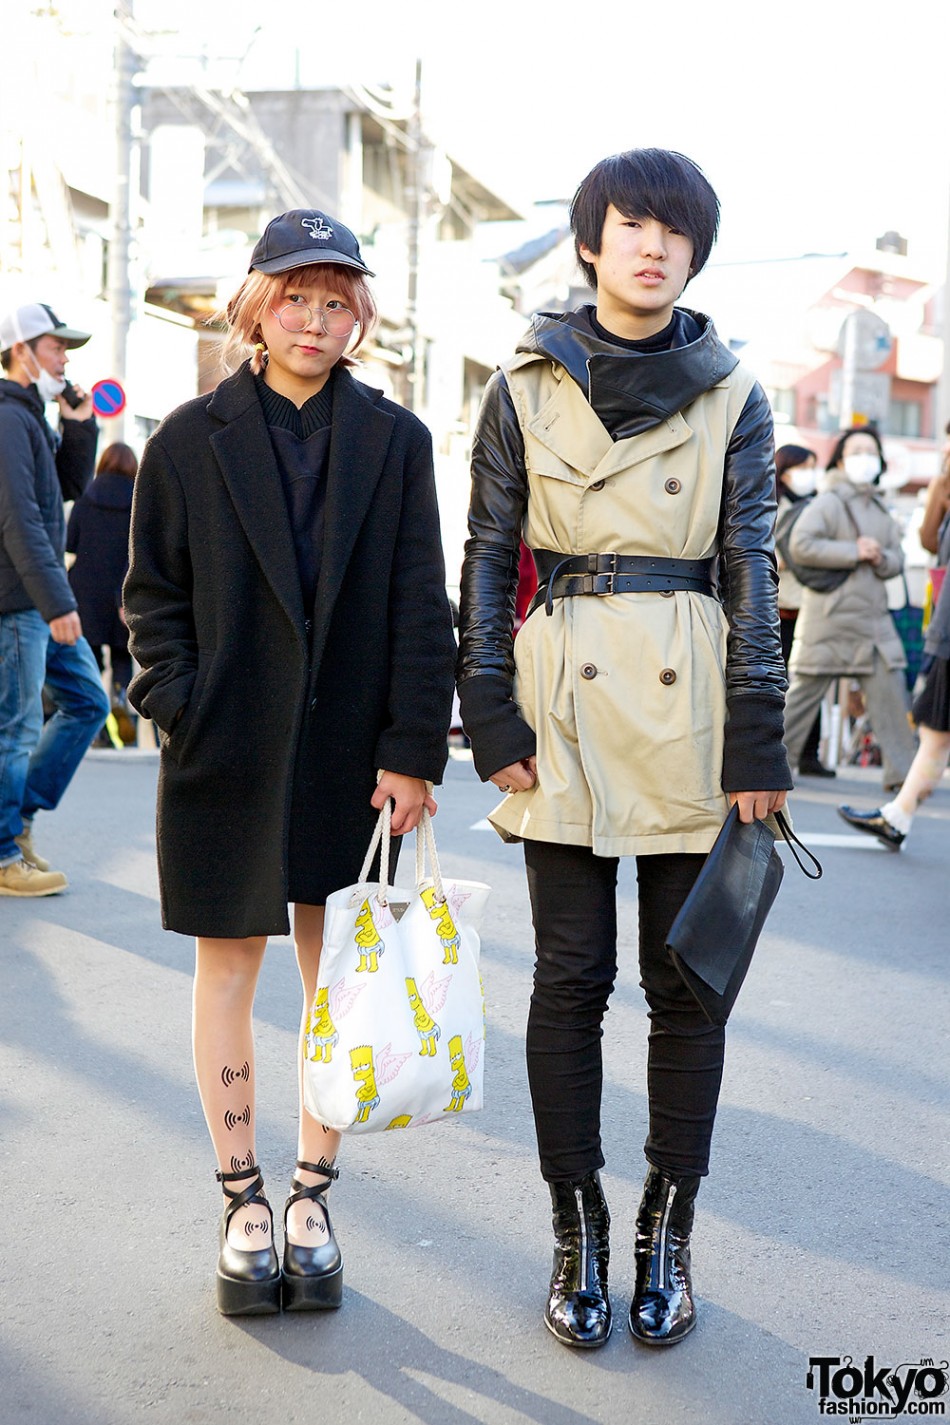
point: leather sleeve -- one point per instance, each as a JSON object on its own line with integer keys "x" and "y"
{"x": 489, "y": 585}
{"x": 754, "y": 757}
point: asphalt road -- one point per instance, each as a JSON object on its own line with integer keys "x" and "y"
{"x": 822, "y": 1230}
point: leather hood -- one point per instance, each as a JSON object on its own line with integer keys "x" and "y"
{"x": 638, "y": 390}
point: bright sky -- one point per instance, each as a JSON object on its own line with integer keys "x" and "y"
{"x": 821, "y": 123}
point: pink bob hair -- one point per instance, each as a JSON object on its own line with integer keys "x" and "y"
{"x": 244, "y": 310}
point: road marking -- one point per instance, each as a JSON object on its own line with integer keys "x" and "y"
{"x": 829, "y": 838}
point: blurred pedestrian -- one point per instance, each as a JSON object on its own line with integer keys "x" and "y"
{"x": 41, "y": 642}
{"x": 892, "y": 822}
{"x": 287, "y": 605}
{"x": 850, "y": 631}
{"x": 938, "y": 502}
{"x": 98, "y": 535}
{"x": 628, "y": 447}
{"x": 795, "y": 482}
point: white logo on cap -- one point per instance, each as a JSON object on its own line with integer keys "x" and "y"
{"x": 318, "y": 228}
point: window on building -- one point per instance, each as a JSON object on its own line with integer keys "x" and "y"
{"x": 782, "y": 401}
{"x": 904, "y": 418}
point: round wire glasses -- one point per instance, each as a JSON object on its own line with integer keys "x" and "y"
{"x": 336, "y": 321}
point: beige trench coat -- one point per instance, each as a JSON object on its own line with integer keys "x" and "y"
{"x": 626, "y": 694}
{"x": 838, "y": 632}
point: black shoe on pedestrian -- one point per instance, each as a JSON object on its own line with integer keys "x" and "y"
{"x": 248, "y": 1282}
{"x": 875, "y": 825}
{"x": 578, "y": 1309}
{"x": 811, "y": 767}
{"x": 662, "y": 1311}
{"x": 313, "y": 1276}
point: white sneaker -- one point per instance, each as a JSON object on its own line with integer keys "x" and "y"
{"x": 21, "y": 878}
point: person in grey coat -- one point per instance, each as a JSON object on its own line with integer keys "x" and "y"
{"x": 891, "y": 823}
{"x": 849, "y": 631}
{"x": 286, "y": 602}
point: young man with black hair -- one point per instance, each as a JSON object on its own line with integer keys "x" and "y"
{"x": 635, "y": 456}
{"x": 41, "y": 641}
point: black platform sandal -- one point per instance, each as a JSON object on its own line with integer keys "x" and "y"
{"x": 312, "y": 1276}
{"x": 248, "y": 1283}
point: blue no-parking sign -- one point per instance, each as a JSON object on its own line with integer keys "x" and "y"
{"x": 108, "y": 397}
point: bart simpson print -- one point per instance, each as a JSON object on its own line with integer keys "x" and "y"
{"x": 321, "y": 1033}
{"x": 461, "y": 1088}
{"x": 361, "y": 1061}
{"x": 368, "y": 941}
{"x": 445, "y": 925}
{"x": 426, "y": 1027}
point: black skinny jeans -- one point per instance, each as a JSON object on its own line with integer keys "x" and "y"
{"x": 574, "y": 908}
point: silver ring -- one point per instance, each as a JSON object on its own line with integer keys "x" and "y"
{"x": 505, "y": 788}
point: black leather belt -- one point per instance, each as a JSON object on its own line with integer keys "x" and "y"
{"x": 564, "y": 576}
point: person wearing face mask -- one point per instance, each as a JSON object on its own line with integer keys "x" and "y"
{"x": 796, "y": 481}
{"x": 849, "y": 632}
{"x": 41, "y": 643}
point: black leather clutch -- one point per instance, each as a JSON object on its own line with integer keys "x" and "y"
{"x": 713, "y": 938}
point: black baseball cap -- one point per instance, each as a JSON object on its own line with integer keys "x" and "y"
{"x": 302, "y": 236}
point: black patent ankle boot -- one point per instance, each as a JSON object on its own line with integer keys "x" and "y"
{"x": 662, "y": 1310}
{"x": 578, "y": 1309}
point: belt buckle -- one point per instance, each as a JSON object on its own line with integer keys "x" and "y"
{"x": 607, "y": 575}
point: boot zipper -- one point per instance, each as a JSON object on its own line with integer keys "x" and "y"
{"x": 582, "y": 1222}
{"x": 664, "y": 1228}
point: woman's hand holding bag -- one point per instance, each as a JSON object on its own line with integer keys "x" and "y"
{"x": 396, "y": 1032}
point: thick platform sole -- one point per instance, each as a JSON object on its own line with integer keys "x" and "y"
{"x": 248, "y": 1298}
{"x": 319, "y": 1293}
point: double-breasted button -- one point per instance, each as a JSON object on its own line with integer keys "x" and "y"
{"x": 667, "y": 677}
{"x": 589, "y": 670}
{"x": 673, "y": 486}
{"x": 598, "y": 484}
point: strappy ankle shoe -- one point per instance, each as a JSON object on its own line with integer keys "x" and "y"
{"x": 248, "y": 1282}
{"x": 313, "y": 1276}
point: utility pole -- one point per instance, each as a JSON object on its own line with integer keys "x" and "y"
{"x": 415, "y": 195}
{"x": 943, "y": 388}
{"x": 120, "y": 238}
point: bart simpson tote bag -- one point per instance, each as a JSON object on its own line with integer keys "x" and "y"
{"x": 396, "y": 1032}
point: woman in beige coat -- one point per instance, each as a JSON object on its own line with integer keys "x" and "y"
{"x": 849, "y": 631}
{"x": 634, "y": 456}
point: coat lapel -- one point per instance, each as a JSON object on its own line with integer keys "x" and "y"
{"x": 569, "y": 428}
{"x": 246, "y": 460}
{"x": 358, "y": 446}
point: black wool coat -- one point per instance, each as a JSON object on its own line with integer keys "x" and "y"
{"x": 276, "y": 718}
{"x": 98, "y": 535}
